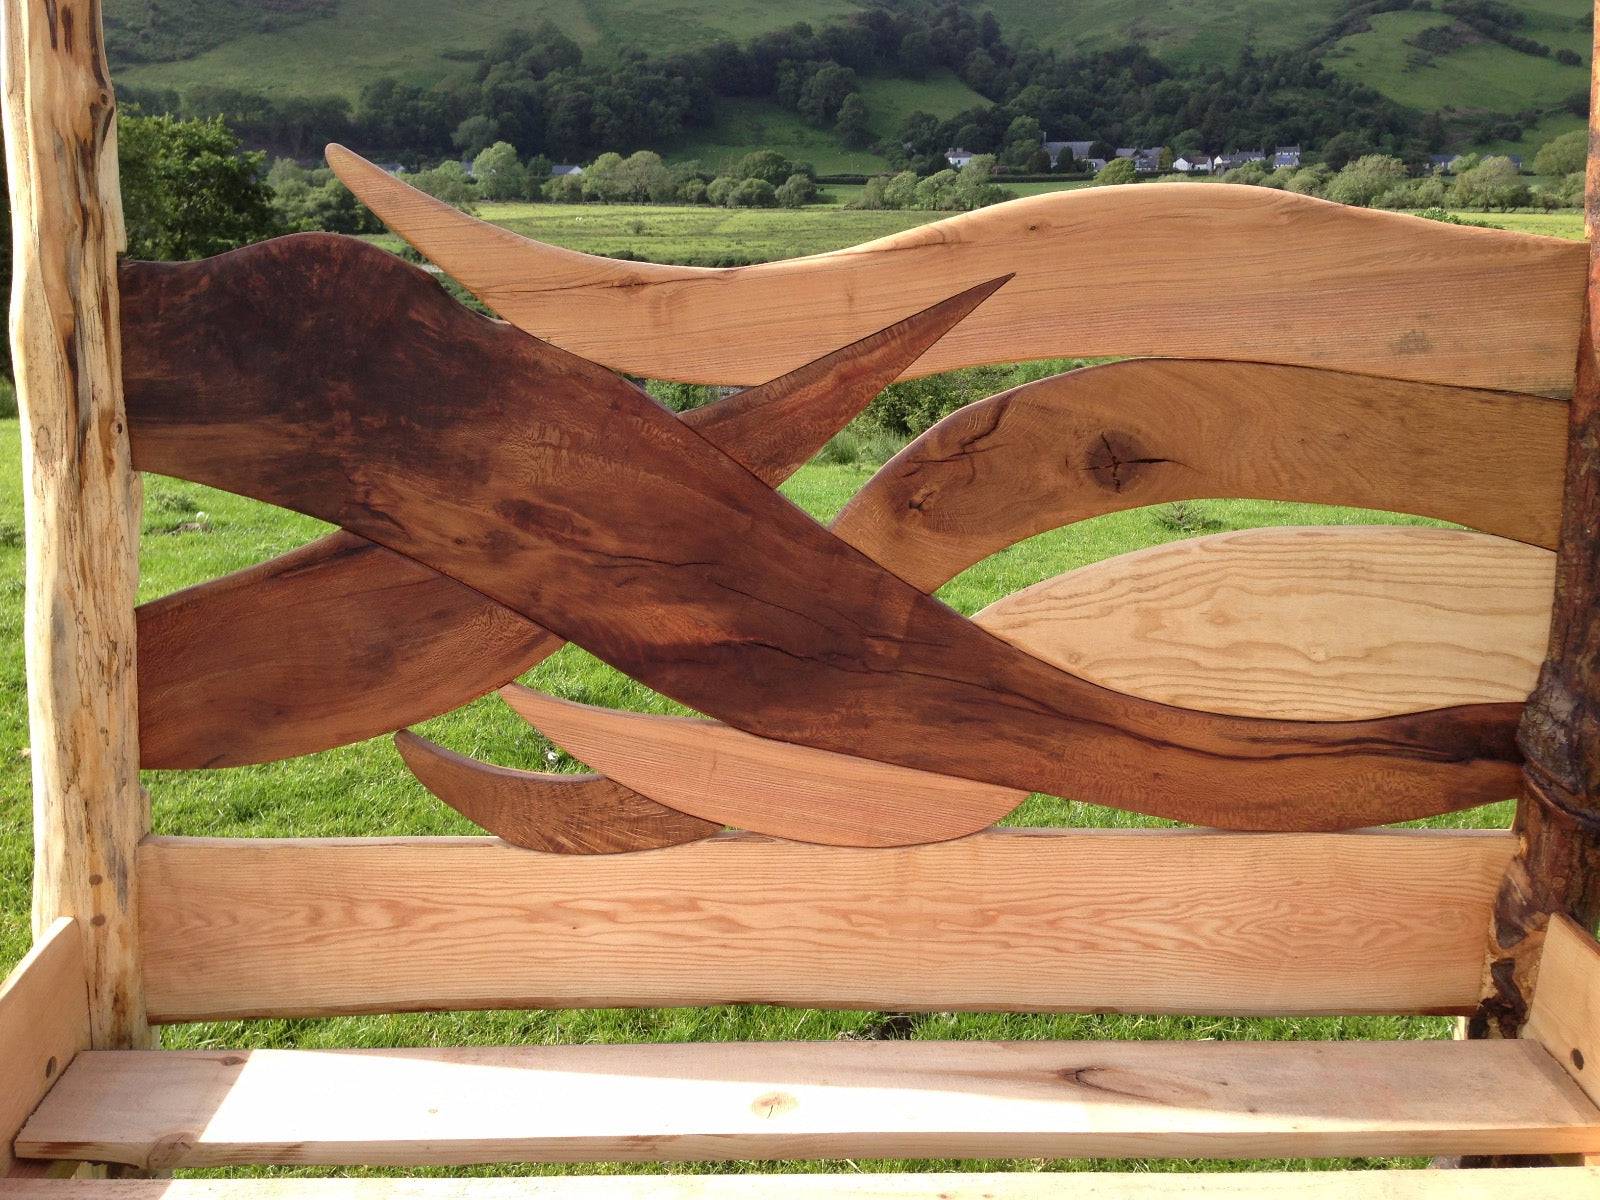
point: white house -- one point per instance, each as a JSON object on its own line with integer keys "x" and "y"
{"x": 1200, "y": 164}
{"x": 957, "y": 157}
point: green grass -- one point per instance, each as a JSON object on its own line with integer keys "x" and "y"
{"x": 890, "y": 101}
{"x": 1177, "y": 30}
{"x": 1550, "y": 224}
{"x": 413, "y": 39}
{"x": 1482, "y": 76}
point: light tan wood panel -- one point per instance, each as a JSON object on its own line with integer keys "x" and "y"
{"x": 647, "y": 1103}
{"x": 1135, "y": 920}
{"x": 1557, "y": 1183}
{"x": 717, "y": 773}
{"x": 44, "y": 1022}
{"x": 1564, "y": 1016}
{"x": 1128, "y": 434}
{"x": 1319, "y": 624}
{"x": 1307, "y": 282}
{"x": 81, "y": 501}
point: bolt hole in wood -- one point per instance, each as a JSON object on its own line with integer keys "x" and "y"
{"x": 1577, "y": 1058}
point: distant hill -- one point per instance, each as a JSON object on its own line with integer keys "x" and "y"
{"x": 1431, "y": 56}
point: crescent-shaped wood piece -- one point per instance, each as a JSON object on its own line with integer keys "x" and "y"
{"x": 522, "y": 808}
{"x": 344, "y": 640}
{"x": 1309, "y": 282}
{"x": 720, "y": 774}
{"x": 566, "y": 494}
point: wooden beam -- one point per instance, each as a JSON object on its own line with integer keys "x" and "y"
{"x": 1555, "y": 1184}
{"x": 1374, "y": 292}
{"x": 1178, "y": 921}
{"x": 1557, "y": 867}
{"x": 44, "y": 1022}
{"x": 651, "y": 1103}
{"x": 80, "y": 498}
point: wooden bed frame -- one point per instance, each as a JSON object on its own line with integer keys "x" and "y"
{"x": 827, "y": 840}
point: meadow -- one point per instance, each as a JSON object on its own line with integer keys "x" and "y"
{"x": 193, "y": 533}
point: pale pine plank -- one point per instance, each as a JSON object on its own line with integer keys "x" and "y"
{"x": 1564, "y": 1016}
{"x": 44, "y": 1022}
{"x": 718, "y": 1101}
{"x": 1317, "y": 624}
{"x": 1375, "y": 292}
{"x": 721, "y": 774}
{"x": 1179, "y": 921}
{"x": 1545, "y": 1184}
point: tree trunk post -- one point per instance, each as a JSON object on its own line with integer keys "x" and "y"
{"x": 1557, "y": 866}
{"x": 81, "y": 497}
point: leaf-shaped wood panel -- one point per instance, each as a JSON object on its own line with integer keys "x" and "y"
{"x": 1300, "y": 281}
{"x": 1317, "y": 624}
{"x": 566, "y": 494}
{"x": 1135, "y": 433}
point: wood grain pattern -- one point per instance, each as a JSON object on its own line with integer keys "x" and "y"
{"x": 1135, "y": 433}
{"x": 1564, "y": 1014}
{"x": 600, "y": 817}
{"x": 80, "y": 497}
{"x": 1174, "y": 921}
{"x": 44, "y": 1022}
{"x": 1551, "y": 1183}
{"x": 344, "y": 640}
{"x": 644, "y": 1103}
{"x": 1319, "y": 624}
{"x": 1375, "y": 292}
{"x": 723, "y": 775}
{"x": 496, "y": 459}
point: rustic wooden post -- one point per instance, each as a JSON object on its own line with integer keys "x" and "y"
{"x": 1557, "y": 867}
{"x": 80, "y": 493}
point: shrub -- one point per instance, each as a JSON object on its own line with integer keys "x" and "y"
{"x": 797, "y": 190}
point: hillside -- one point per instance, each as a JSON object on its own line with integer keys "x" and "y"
{"x": 1423, "y": 57}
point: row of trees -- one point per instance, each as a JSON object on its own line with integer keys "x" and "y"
{"x": 537, "y": 91}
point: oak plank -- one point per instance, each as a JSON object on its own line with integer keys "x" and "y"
{"x": 656, "y": 1102}
{"x": 1557, "y": 1183}
{"x": 1318, "y": 624}
{"x": 1564, "y": 1012}
{"x": 44, "y": 1022}
{"x": 537, "y": 812}
{"x": 720, "y": 774}
{"x": 565, "y": 493}
{"x": 1375, "y": 292}
{"x": 342, "y": 639}
{"x": 1129, "y": 434}
{"x": 1173, "y": 921}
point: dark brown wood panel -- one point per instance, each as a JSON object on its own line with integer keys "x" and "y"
{"x": 598, "y": 817}
{"x": 343, "y": 640}
{"x": 565, "y": 493}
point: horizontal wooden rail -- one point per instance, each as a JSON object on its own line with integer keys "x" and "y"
{"x": 1307, "y": 282}
{"x": 648, "y": 1103}
{"x": 1178, "y": 921}
{"x": 1552, "y": 1183}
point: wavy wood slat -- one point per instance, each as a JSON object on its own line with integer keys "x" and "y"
{"x": 723, "y": 775}
{"x": 1309, "y": 282}
{"x": 601, "y": 817}
{"x": 161, "y": 1110}
{"x": 1129, "y": 434}
{"x": 1548, "y": 1183}
{"x": 565, "y": 493}
{"x": 1318, "y": 624}
{"x": 343, "y": 640}
{"x": 1068, "y": 920}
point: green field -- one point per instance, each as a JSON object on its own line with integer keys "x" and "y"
{"x": 741, "y": 125}
{"x": 1483, "y": 76}
{"x": 1177, "y": 30}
